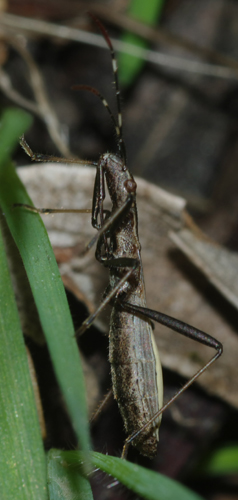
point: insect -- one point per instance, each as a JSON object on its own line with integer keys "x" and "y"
{"x": 135, "y": 365}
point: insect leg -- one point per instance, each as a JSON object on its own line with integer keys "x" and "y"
{"x": 133, "y": 264}
{"x": 101, "y": 405}
{"x": 53, "y": 210}
{"x": 184, "y": 329}
{"x": 109, "y": 223}
{"x": 41, "y": 157}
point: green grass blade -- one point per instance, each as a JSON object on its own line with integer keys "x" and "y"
{"x": 66, "y": 483}
{"x": 39, "y": 261}
{"x": 22, "y": 458}
{"x": 222, "y": 461}
{"x": 13, "y": 123}
{"x": 147, "y": 484}
{"x": 148, "y": 12}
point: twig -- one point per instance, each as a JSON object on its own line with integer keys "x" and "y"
{"x": 42, "y": 106}
{"x": 60, "y": 31}
{"x": 159, "y": 35}
{"x": 13, "y": 95}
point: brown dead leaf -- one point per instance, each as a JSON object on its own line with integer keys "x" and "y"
{"x": 173, "y": 285}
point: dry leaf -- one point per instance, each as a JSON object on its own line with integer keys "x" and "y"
{"x": 173, "y": 285}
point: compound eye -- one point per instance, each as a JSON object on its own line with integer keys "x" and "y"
{"x": 130, "y": 186}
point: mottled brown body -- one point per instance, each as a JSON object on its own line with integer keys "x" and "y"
{"x": 134, "y": 363}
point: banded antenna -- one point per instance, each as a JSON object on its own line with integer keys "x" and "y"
{"x": 117, "y": 124}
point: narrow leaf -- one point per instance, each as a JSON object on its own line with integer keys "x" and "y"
{"x": 66, "y": 483}
{"x": 147, "y": 484}
{"x": 22, "y": 459}
{"x": 32, "y": 240}
{"x": 147, "y": 12}
{"x": 223, "y": 461}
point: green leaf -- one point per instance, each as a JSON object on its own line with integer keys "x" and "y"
{"x": 222, "y": 461}
{"x": 147, "y": 484}
{"x": 22, "y": 459}
{"x": 39, "y": 261}
{"x": 13, "y": 123}
{"x": 148, "y": 12}
{"x": 66, "y": 483}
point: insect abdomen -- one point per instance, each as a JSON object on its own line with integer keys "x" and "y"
{"x": 134, "y": 377}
